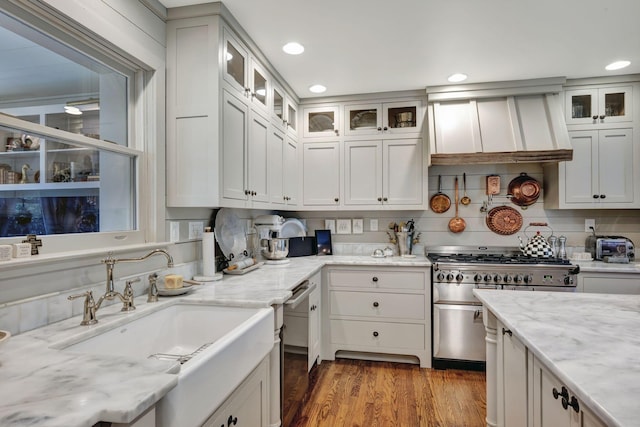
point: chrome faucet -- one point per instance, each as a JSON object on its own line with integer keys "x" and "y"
{"x": 127, "y": 298}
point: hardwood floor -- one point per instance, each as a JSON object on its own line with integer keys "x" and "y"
{"x": 357, "y": 393}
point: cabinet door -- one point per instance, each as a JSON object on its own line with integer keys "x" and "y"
{"x": 402, "y": 172}
{"x": 547, "y": 405}
{"x": 277, "y": 107}
{"x": 614, "y": 104}
{"x": 605, "y": 284}
{"x": 402, "y": 117}
{"x": 581, "y": 174}
{"x": 581, "y": 106}
{"x": 321, "y": 122}
{"x": 236, "y": 58}
{"x": 363, "y": 172}
{"x": 259, "y": 86}
{"x": 321, "y": 173}
{"x": 235, "y": 118}
{"x": 291, "y": 172}
{"x": 258, "y": 178}
{"x": 615, "y": 166}
{"x": 276, "y": 156}
{"x": 291, "y": 111}
{"x": 513, "y": 378}
{"x": 363, "y": 119}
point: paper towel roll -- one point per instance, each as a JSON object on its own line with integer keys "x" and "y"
{"x": 208, "y": 254}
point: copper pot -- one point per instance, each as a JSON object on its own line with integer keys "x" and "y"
{"x": 524, "y": 190}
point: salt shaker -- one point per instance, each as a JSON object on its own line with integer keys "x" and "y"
{"x": 562, "y": 247}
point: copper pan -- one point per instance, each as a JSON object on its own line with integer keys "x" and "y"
{"x": 524, "y": 190}
{"x": 440, "y": 202}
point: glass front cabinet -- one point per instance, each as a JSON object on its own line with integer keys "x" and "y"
{"x": 385, "y": 118}
{"x": 321, "y": 121}
{"x": 598, "y": 105}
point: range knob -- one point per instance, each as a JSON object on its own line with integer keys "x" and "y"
{"x": 528, "y": 278}
{"x": 449, "y": 277}
{"x": 459, "y": 277}
{"x": 507, "y": 278}
{"x": 518, "y": 278}
{"x": 440, "y": 277}
{"x": 487, "y": 277}
{"x": 497, "y": 278}
{"x": 477, "y": 278}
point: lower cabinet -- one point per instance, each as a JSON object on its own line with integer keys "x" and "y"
{"x": 609, "y": 283}
{"x": 381, "y": 312}
{"x": 248, "y": 405}
{"x": 528, "y": 394}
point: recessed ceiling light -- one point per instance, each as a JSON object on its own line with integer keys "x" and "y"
{"x": 457, "y": 77}
{"x": 317, "y": 89}
{"x": 293, "y": 48}
{"x": 617, "y": 65}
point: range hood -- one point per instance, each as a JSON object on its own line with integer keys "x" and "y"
{"x": 504, "y": 122}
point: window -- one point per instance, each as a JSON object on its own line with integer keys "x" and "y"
{"x": 66, "y": 127}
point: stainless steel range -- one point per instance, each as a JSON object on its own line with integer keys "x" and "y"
{"x": 458, "y": 331}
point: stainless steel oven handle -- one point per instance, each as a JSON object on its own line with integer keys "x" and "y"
{"x": 477, "y": 315}
{"x": 300, "y": 293}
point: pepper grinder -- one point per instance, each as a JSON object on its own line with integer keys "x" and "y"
{"x": 562, "y": 247}
{"x": 553, "y": 242}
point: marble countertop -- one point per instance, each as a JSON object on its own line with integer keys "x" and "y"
{"x": 589, "y": 341}
{"x": 43, "y": 386}
{"x": 605, "y": 267}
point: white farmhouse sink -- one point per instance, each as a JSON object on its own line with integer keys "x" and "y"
{"x": 220, "y": 345}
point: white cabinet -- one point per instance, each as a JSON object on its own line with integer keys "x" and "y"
{"x": 248, "y": 405}
{"x": 554, "y": 405}
{"x": 609, "y": 283}
{"x": 598, "y": 105}
{"x": 291, "y": 172}
{"x": 602, "y": 174}
{"x": 386, "y": 310}
{"x": 387, "y": 173}
{"x": 321, "y": 122}
{"x": 221, "y": 103}
{"x": 512, "y": 379}
{"x": 400, "y": 117}
{"x": 321, "y": 173}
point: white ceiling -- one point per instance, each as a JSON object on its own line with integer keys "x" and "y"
{"x": 364, "y": 46}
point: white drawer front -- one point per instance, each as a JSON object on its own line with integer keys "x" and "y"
{"x": 393, "y": 336}
{"x": 382, "y": 305}
{"x": 296, "y": 331}
{"x": 391, "y": 279}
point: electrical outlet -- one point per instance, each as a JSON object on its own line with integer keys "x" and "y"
{"x": 195, "y": 230}
{"x": 588, "y": 224}
{"x": 174, "y": 231}
{"x": 373, "y": 224}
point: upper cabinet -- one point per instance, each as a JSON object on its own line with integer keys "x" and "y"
{"x": 593, "y": 105}
{"x": 383, "y": 118}
{"x": 321, "y": 122}
{"x": 224, "y": 109}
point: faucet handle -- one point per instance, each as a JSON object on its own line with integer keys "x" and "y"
{"x": 89, "y": 312}
{"x": 152, "y": 296}
{"x": 127, "y": 301}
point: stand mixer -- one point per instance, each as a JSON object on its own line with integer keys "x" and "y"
{"x": 272, "y": 246}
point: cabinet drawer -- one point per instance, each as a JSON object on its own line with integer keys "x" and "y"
{"x": 296, "y": 331}
{"x": 378, "y": 334}
{"x": 390, "y": 279}
{"x": 373, "y": 304}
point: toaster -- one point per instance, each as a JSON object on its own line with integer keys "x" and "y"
{"x": 609, "y": 246}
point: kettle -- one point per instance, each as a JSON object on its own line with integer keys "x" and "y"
{"x": 536, "y": 246}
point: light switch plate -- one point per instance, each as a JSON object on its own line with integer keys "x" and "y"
{"x": 330, "y": 224}
{"x": 343, "y": 226}
{"x": 195, "y": 230}
{"x": 373, "y": 224}
{"x": 174, "y": 231}
{"x": 358, "y": 225}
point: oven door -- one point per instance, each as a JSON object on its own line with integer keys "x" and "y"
{"x": 458, "y": 332}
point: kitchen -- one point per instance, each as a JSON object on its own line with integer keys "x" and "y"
{"x": 20, "y": 284}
